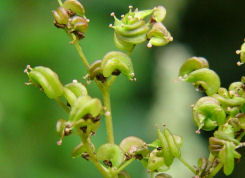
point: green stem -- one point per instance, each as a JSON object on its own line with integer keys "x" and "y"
{"x": 60, "y": 2}
{"x": 112, "y": 79}
{"x": 187, "y": 165}
{"x": 152, "y": 175}
{"x": 62, "y": 105}
{"x": 215, "y": 170}
{"x": 108, "y": 118}
{"x": 124, "y": 165}
{"x": 81, "y": 54}
{"x": 92, "y": 157}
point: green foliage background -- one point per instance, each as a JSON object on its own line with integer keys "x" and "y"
{"x": 213, "y": 29}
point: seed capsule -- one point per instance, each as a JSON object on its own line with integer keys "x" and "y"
{"x": 85, "y": 105}
{"x": 95, "y": 71}
{"x": 47, "y": 80}
{"x": 207, "y": 79}
{"x": 159, "y": 13}
{"x": 117, "y": 61}
{"x": 61, "y": 16}
{"x": 111, "y": 154}
{"x": 75, "y": 7}
{"x": 74, "y": 90}
{"x": 159, "y": 35}
{"x": 208, "y": 114}
{"x": 192, "y": 64}
{"x": 156, "y": 162}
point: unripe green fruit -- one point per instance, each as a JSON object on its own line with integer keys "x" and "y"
{"x": 192, "y": 64}
{"x": 111, "y": 154}
{"x": 61, "y": 16}
{"x": 47, "y": 80}
{"x": 75, "y": 6}
{"x": 159, "y": 13}
{"x": 156, "y": 163}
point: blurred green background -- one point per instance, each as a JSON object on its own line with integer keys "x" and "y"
{"x": 213, "y": 29}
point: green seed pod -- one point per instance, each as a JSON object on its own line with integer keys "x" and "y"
{"x": 174, "y": 147}
{"x": 134, "y": 146}
{"x": 163, "y": 175}
{"x": 61, "y": 16}
{"x": 95, "y": 71}
{"x": 235, "y": 101}
{"x": 242, "y": 54}
{"x": 223, "y": 92}
{"x": 63, "y": 128}
{"x": 158, "y": 35}
{"x": 236, "y": 89}
{"x": 192, "y": 64}
{"x": 241, "y": 118}
{"x": 208, "y": 114}
{"x": 205, "y": 79}
{"x": 167, "y": 155}
{"x": 226, "y": 132}
{"x": 111, "y": 154}
{"x": 156, "y": 163}
{"x": 227, "y": 158}
{"x": 131, "y": 29}
{"x": 85, "y": 105}
{"x": 47, "y": 80}
{"x": 159, "y": 13}
{"x": 155, "y": 144}
{"x": 75, "y": 7}
{"x": 78, "y": 25}
{"x": 123, "y": 174}
{"x": 117, "y": 62}
{"x": 74, "y": 90}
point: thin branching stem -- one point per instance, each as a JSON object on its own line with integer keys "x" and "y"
{"x": 58, "y": 100}
{"x": 187, "y": 165}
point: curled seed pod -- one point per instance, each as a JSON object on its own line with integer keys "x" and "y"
{"x": 192, "y": 64}
{"x": 85, "y": 105}
{"x": 223, "y": 92}
{"x": 156, "y": 162}
{"x": 111, "y": 154}
{"x": 208, "y": 114}
{"x": 80, "y": 150}
{"x": 131, "y": 29}
{"x": 235, "y": 101}
{"x": 205, "y": 79}
{"x": 241, "y": 118}
{"x": 226, "y": 132}
{"x": 74, "y": 90}
{"x": 227, "y": 158}
{"x": 95, "y": 71}
{"x": 123, "y": 174}
{"x": 232, "y": 111}
{"x": 159, "y": 13}
{"x": 75, "y": 7}
{"x": 242, "y": 54}
{"x": 158, "y": 35}
{"x": 47, "y": 80}
{"x": 61, "y": 17}
{"x": 134, "y": 146}
{"x": 236, "y": 89}
{"x": 117, "y": 62}
{"x": 63, "y": 128}
{"x": 78, "y": 25}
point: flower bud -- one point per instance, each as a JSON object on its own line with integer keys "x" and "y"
{"x": 47, "y": 80}
{"x": 158, "y": 35}
{"x": 61, "y": 17}
{"x": 75, "y": 7}
{"x": 117, "y": 62}
{"x": 192, "y": 64}
{"x": 111, "y": 154}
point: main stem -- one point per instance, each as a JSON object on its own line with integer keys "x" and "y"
{"x": 108, "y": 118}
